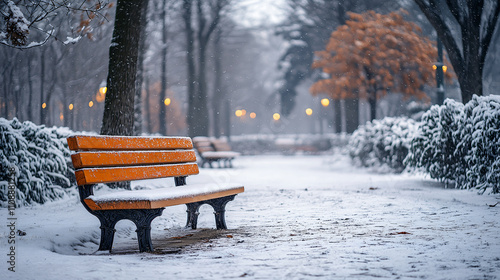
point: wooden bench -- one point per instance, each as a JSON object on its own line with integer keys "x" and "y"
{"x": 107, "y": 159}
{"x": 214, "y": 151}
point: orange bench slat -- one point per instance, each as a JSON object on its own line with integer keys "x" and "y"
{"x": 124, "y": 158}
{"x": 116, "y": 143}
{"x": 118, "y": 174}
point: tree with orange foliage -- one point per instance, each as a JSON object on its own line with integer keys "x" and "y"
{"x": 373, "y": 54}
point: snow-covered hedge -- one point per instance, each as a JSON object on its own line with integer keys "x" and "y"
{"x": 461, "y": 144}
{"x": 480, "y": 143}
{"x": 435, "y": 145}
{"x": 41, "y": 159}
{"x": 382, "y": 144}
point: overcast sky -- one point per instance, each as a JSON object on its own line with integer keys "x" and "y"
{"x": 252, "y": 13}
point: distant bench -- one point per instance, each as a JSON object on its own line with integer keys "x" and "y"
{"x": 214, "y": 151}
{"x": 108, "y": 159}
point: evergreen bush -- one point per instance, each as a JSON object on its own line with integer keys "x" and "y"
{"x": 41, "y": 159}
{"x": 481, "y": 143}
{"x": 435, "y": 144}
{"x": 460, "y": 144}
{"x": 382, "y": 144}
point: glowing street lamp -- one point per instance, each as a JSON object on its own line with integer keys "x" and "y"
{"x": 325, "y": 102}
{"x": 309, "y": 111}
{"x": 238, "y": 113}
{"x": 276, "y": 116}
{"x": 167, "y": 101}
{"x": 253, "y": 115}
{"x": 101, "y": 94}
{"x": 91, "y": 103}
{"x": 44, "y": 105}
{"x": 70, "y": 106}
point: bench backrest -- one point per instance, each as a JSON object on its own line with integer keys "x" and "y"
{"x": 221, "y": 145}
{"x": 106, "y": 159}
{"x": 203, "y": 144}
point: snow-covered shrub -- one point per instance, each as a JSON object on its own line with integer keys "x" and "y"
{"x": 382, "y": 143}
{"x": 460, "y": 144}
{"x": 434, "y": 147}
{"x": 40, "y": 156}
{"x": 480, "y": 143}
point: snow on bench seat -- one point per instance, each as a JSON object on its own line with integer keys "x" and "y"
{"x": 159, "y": 198}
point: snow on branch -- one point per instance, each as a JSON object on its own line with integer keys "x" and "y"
{"x": 18, "y": 21}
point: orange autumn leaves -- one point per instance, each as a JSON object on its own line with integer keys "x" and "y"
{"x": 373, "y": 54}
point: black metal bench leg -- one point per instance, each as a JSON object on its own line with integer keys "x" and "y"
{"x": 142, "y": 219}
{"x": 219, "y": 205}
{"x": 107, "y": 232}
{"x": 192, "y": 214}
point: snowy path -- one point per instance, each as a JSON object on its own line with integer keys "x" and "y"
{"x": 302, "y": 217}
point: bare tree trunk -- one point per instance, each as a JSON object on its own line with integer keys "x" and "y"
{"x": 336, "y": 102}
{"x": 118, "y": 118}
{"x": 201, "y": 109}
{"x": 352, "y": 114}
{"x": 351, "y": 105}
{"x": 5, "y": 100}
{"x": 337, "y": 112}
{"x": 148, "y": 108}
{"x": 17, "y": 99}
{"x": 218, "y": 92}
{"x": 202, "y": 116}
{"x": 30, "y": 88}
{"x": 162, "y": 121}
{"x": 372, "y": 100}
{"x": 191, "y": 86}
{"x": 140, "y": 72}
{"x": 65, "y": 110}
{"x": 43, "y": 111}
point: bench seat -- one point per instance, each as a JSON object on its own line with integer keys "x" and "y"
{"x": 159, "y": 198}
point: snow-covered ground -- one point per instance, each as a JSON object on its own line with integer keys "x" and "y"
{"x": 301, "y": 217}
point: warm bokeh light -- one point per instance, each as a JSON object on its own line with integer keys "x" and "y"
{"x": 276, "y": 116}
{"x": 434, "y": 67}
{"x": 44, "y": 105}
{"x": 309, "y": 111}
{"x": 91, "y": 103}
{"x": 167, "y": 101}
{"x": 70, "y": 107}
{"x": 101, "y": 94}
{"x": 243, "y": 112}
{"x": 253, "y": 115}
{"x": 325, "y": 102}
{"x": 238, "y": 113}
{"x": 445, "y": 68}
{"x": 61, "y": 117}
